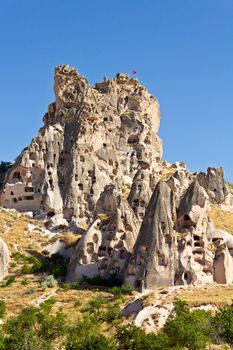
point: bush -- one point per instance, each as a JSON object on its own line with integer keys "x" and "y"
{"x": 112, "y": 313}
{"x": 97, "y": 305}
{"x": 9, "y": 280}
{"x": 21, "y": 332}
{"x": 2, "y": 308}
{"x": 111, "y": 281}
{"x": 223, "y": 325}
{"x": 66, "y": 286}
{"x": 52, "y": 326}
{"x": 25, "y": 282}
{"x": 31, "y": 291}
{"x": 47, "y": 305}
{"x": 85, "y": 335}
{"x": 34, "y": 329}
{"x": 189, "y": 329}
{"x": 4, "y": 166}
{"x": 95, "y": 342}
{"x": 77, "y": 303}
{"x": 75, "y": 284}
{"x": 49, "y": 282}
{"x": 119, "y": 291}
{"x": 131, "y": 337}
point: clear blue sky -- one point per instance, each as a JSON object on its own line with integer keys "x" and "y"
{"x": 181, "y": 49}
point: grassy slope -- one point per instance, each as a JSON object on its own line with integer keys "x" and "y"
{"x": 222, "y": 219}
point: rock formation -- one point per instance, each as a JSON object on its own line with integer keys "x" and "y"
{"x": 96, "y": 168}
{"x": 92, "y": 137}
{"x": 154, "y": 258}
{"x": 4, "y": 259}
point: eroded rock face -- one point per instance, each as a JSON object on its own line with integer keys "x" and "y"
{"x": 96, "y": 168}
{"x": 92, "y": 137}
{"x": 153, "y": 260}
{"x": 195, "y": 256}
{"x": 214, "y": 184}
{"x": 4, "y": 259}
{"x": 107, "y": 244}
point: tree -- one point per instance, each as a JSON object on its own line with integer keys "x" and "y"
{"x": 190, "y": 329}
{"x": 223, "y": 325}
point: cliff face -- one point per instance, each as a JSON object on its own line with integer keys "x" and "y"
{"x": 96, "y": 167}
{"x": 92, "y": 137}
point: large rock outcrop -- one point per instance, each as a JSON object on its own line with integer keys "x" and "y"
{"x": 96, "y": 168}
{"x": 92, "y": 137}
{"x": 154, "y": 258}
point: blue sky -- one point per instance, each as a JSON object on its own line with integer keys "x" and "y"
{"x": 182, "y": 51}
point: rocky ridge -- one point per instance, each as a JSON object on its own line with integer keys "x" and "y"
{"x": 96, "y": 168}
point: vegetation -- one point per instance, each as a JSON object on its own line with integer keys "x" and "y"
{"x": 98, "y": 280}
{"x": 87, "y": 314}
{"x": 40, "y": 328}
{"x": 119, "y": 291}
{"x": 4, "y": 166}
{"x": 2, "y": 308}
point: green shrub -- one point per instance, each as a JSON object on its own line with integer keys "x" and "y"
{"x": 189, "y": 329}
{"x": 111, "y": 281}
{"x": 47, "y": 305}
{"x": 25, "y": 282}
{"x": 21, "y": 332}
{"x": 131, "y": 337}
{"x": 77, "y": 303}
{"x": 112, "y": 313}
{"x": 85, "y": 335}
{"x": 119, "y": 291}
{"x": 9, "y": 280}
{"x": 75, "y": 284}
{"x": 31, "y": 291}
{"x": 34, "y": 328}
{"x": 25, "y": 269}
{"x": 97, "y": 305}
{"x": 2, "y": 308}
{"x": 223, "y": 325}
{"x": 4, "y": 166}
{"x": 66, "y": 286}
{"x": 52, "y": 326}
{"x": 93, "y": 342}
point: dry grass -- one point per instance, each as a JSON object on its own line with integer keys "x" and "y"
{"x": 149, "y": 299}
{"x": 126, "y": 192}
{"x": 65, "y": 299}
{"x": 103, "y": 216}
{"x": 69, "y": 238}
{"x": 17, "y": 296}
{"x": 222, "y": 219}
{"x": 14, "y": 231}
{"x": 166, "y": 173}
{"x": 218, "y": 295}
{"x": 83, "y": 227}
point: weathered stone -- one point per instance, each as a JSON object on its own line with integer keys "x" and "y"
{"x": 214, "y": 184}
{"x": 95, "y": 168}
{"x": 92, "y": 137}
{"x": 152, "y": 263}
{"x": 4, "y": 259}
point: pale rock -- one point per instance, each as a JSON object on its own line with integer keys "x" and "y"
{"x": 4, "y": 259}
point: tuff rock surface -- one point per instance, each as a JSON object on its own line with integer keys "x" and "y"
{"x": 4, "y": 259}
{"x": 96, "y": 168}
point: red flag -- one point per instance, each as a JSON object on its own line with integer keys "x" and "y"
{"x": 134, "y": 72}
